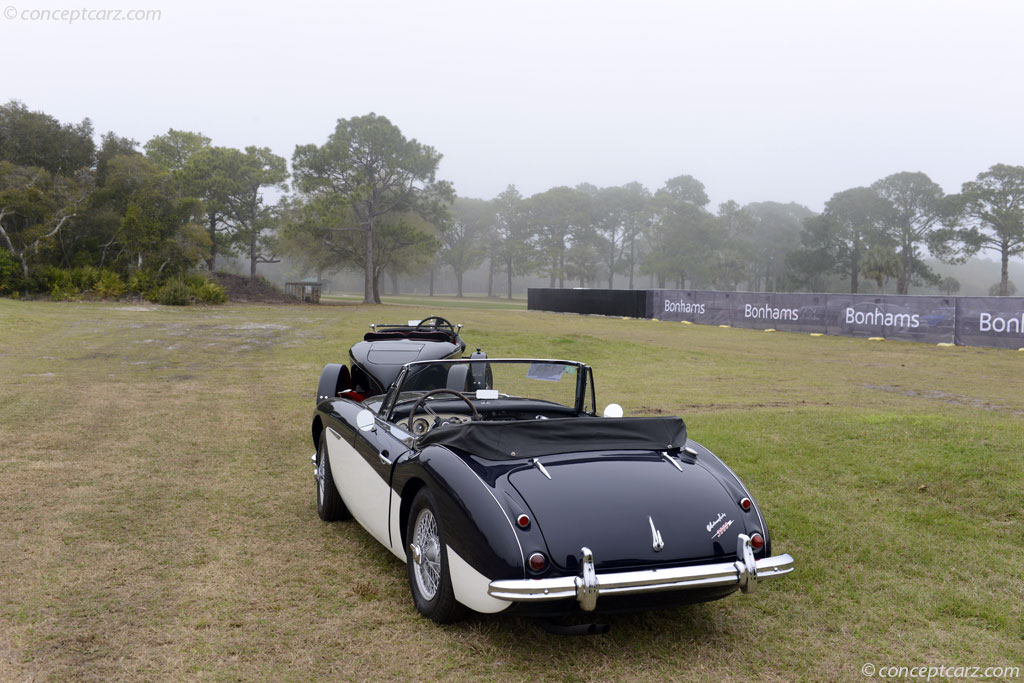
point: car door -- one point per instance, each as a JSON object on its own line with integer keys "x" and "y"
{"x": 362, "y": 473}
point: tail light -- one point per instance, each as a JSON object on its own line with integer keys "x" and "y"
{"x": 756, "y": 541}
{"x": 746, "y": 503}
{"x": 538, "y": 562}
{"x": 523, "y": 521}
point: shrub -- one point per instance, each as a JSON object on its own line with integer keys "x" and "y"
{"x": 84, "y": 277}
{"x": 12, "y": 280}
{"x": 142, "y": 282}
{"x": 211, "y": 293}
{"x": 109, "y": 285}
{"x": 195, "y": 281}
{"x": 173, "y": 293}
{"x": 65, "y": 293}
{"x": 57, "y": 278}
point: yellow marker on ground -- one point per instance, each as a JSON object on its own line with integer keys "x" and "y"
{"x": 945, "y": 344}
{"x": 686, "y": 322}
{"x": 817, "y": 334}
{"x": 876, "y": 338}
{"x": 769, "y": 330}
{"x": 725, "y": 325}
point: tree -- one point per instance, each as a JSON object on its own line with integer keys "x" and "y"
{"x": 992, "y": 211}
{"x": 175, "y": 148}
{"x": 808, "y": 264}
{"x": 112, "y": 145}
{"x": 35, "y": 205}
{"x": 512, "y": 225}
{"x": 378, "y": 171}
{"x": 859, "y": 215}
{"x": 880, "y": 264}
{"x": 159, "y": 230}
{"x": 555, "y": 215}
{"x": 949, "y": 285}
{"x": 915, "y": 209}
{"x": 37, "y": 140}
{"x": 209, "y": 174}
{"x": 730, "y": 259}
{"x": 246, "y": 175}
{"x": 318, "y": 232}
{"x": 775, "y": 231}
{"x": 621, "y": 216}
{"x": 681, "y": 236}
{"x": 462, "y": 239}
{"x": 1002, "y": 289}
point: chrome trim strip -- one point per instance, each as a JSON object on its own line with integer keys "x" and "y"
{"x": 672, "y": 460}
{"x": 543, "y": 470}
{"x": 336, "y": 434}
{"x": 644, "y": 581}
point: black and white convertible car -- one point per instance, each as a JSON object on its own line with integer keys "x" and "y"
{"x": 502, "y": 489}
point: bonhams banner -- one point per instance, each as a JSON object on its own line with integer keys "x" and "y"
{"x": 981, "y": 321}
{"x": 910, "y": 318}
{"x": 970, "y": 321}
{"x": 990, "y": 321}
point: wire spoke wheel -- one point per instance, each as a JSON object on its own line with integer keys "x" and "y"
{"x": 319, "y": 475}
{"x": 428, "y": 569}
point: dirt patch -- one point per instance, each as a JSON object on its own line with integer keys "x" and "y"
{"x": 945, "y": 397}
{"x": 259, "y": 290}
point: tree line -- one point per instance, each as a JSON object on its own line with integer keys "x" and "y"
{"x": 369, "y": 198}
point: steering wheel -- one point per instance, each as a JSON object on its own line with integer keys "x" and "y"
{"x": 416, "y": 406}
{"x": 438, "y": 323}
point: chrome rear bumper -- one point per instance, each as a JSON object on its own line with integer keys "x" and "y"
{"x": 744, "y": 573}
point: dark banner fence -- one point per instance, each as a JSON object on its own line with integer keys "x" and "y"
{"x": 969, "y": 321}
{"x": 627, "y": 302}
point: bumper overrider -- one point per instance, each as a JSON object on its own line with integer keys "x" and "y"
{"x": 745, "y": 573}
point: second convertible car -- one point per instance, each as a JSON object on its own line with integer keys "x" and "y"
{"x": 501, "y": 488}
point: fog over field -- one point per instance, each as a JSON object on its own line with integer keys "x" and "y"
{"x": 784, "y": 101}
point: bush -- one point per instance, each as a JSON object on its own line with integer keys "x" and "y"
{"x": 143, "y": 283}
{"x": 84, "y": 277}
{"x": 211, "y": 293}
{"x": 195, "y": 281}
{"x": 57, "y": 278}
{"x": 109, "y": 285}
{"x": 64, "y": 293}
{"x": 11, "y": 278}
{"x": 173, "y": 293}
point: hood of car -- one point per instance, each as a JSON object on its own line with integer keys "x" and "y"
{"x": 631, "y": 509}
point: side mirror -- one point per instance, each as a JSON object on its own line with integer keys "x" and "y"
{"x": 612, "y": 410}
{"x": 365, "y": 421}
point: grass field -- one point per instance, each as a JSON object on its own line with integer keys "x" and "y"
{"x": 158, "y": 522}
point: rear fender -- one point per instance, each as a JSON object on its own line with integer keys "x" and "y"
{"x": 476, "y": 524}
{"x": 754, "y": 519}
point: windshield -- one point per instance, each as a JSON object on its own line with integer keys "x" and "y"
{"x": 559, "y": 382}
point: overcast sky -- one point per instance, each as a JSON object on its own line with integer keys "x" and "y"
{"x": 784, "y": 101}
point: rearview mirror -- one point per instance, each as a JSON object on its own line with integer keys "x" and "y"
{"x": 612, "y": 410}
{"x": 365, "y": 421}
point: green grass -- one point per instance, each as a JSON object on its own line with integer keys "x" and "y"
{"x": 158, "y": 522}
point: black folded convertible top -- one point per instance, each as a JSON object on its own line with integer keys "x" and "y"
{"x": 532, "y": 438}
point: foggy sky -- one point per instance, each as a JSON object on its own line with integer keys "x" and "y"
{"x": 783, "y": 101}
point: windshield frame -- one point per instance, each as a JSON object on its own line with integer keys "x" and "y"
{"x": 584, "y": 377}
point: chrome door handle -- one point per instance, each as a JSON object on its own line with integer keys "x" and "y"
{"x": 383, "y": 455}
